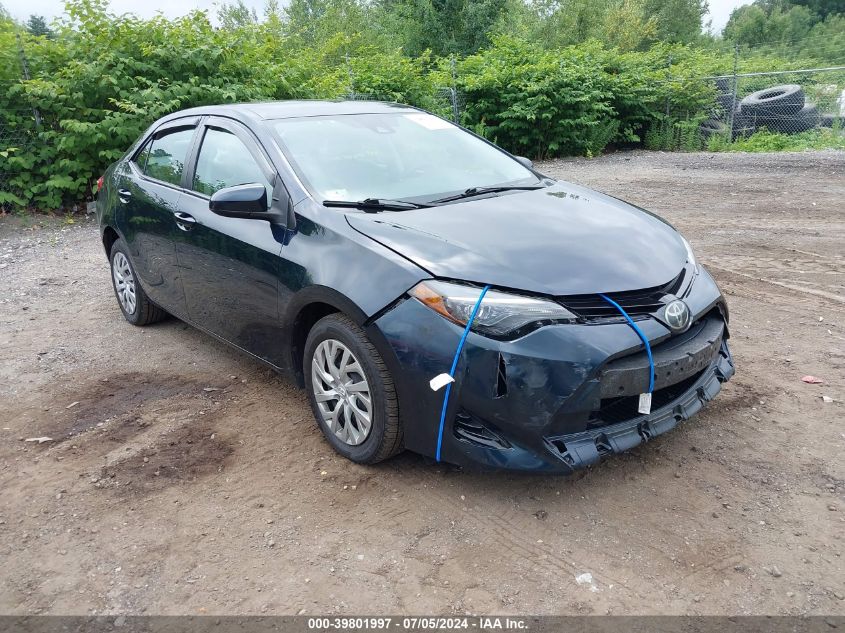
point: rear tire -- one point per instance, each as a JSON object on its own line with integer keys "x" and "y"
{"x": 343, "y": 370}
{"x": 131, "y": 298}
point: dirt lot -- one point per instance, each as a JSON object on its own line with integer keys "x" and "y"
{"x": 185, "y": 478}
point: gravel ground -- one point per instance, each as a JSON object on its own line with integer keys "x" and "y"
{"x": 185, "y": 478}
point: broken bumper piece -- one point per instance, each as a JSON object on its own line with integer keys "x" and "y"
{"x": 578, "y": 450}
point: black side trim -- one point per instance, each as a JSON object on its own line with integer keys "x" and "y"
{"x": 501, "y": 378}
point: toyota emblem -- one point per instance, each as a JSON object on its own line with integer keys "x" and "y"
{"x": 677, "y": 315}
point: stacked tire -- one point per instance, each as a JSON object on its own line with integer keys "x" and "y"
{"x": 725, "y": 103}
{"x": 712, "y": 127}
{"x": 780, "y": 109}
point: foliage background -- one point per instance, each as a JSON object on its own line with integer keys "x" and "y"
{"x": 540, "y": 77}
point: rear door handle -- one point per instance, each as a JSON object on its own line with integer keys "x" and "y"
{"x": 124, "y": 195}
{"x": 184, "y": 220}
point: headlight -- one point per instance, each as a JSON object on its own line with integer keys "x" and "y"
{"x": 690, "y": 255}
{"x": 500, "y": 312}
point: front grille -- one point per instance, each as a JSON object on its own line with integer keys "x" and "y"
{"x": 614, "y": 410}
{"x": 637, "y": 303}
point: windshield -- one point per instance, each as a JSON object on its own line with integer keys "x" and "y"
{"x": 393, "y": 156}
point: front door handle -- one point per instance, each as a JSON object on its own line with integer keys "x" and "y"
{"x": 124, "y": 195}
{"x": 184, "y": 220}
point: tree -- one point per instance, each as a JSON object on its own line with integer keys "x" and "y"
{"x": 625, "y": 24}
{"x": 627, "y": 27}
{"x": 827, "y": 39}
{"x": 313, "y": 22}
{"x": 9, "y": 57}
{"x": 822, "y": 8}
{"x": 235, "y": 15}
{"x": 556, "y": 23}
{"x": 444, "y": 27}
{"x": 792, "y": 25}
{"x": 766, "y": 23}
{"x": 37, "y": 25}
{"x": 747, "y": 25}
{"x": 303, "y": 17}
{"x": 677, "y": 20}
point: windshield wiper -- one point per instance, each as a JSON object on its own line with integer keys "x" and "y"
{"x": 374, "y": 205}
{"x": 478, "y": 191}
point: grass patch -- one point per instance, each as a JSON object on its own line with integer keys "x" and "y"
{"x": 675, "y": 135}
{"x": 765, "y": 141}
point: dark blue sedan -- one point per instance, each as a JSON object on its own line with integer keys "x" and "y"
{"x": 429, "y": 290}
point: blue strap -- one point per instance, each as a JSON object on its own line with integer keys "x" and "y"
{"x": 455, "y": 366}
{"x": 642, "y": 338}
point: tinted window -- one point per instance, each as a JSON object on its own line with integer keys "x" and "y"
{"x": 165, "y": 158}
{"x": 396, "y": 155}
{"x": 141, "y": 158}
{"x": 224, "y": 161}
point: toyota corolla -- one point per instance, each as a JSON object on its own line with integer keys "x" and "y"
{"x": 429, "y": 290}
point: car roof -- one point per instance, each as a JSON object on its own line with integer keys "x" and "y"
{"x": 291, "y": 109}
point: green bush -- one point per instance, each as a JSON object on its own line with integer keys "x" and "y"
{"x": 101, "y": 83}
{"x": 578, "y": 100}
{"x": 103, "y": 78}
{"x": 537, "y": 103}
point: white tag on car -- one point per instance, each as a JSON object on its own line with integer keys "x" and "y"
{"x": 440, "y": 381}
{"x": 644, "y": 406}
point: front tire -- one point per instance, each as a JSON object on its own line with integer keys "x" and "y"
{"x": 133, "y": 301}
{"x": 351, "y": 391}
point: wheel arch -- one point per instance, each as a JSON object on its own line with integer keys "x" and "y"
{"x": 109, "y": 237}
{"x": 312, "y": 304}
{"x": 304, "y": 310}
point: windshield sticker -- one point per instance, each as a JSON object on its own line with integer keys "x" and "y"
{"x": 429, "y": 122}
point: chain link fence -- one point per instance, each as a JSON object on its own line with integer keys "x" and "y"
{"x": 17, "y": 125}
{"x": 16, "y": 139}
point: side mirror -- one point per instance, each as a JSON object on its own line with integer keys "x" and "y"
{"x": 525, "y": 162}
{"x": 242, "y": 201}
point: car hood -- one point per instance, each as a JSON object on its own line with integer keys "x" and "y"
{"x": 561, "y": 240}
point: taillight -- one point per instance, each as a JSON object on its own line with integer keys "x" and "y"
{"x": 100, "y": 183}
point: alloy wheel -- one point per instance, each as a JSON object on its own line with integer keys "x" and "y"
{"x": 124, "y": 282}
{"x": 341, "y": 392}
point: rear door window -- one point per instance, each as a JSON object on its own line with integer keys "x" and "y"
{"x": 163, "y": 158}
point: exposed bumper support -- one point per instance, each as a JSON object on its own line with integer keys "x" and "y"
{"x": 582, "y": 449}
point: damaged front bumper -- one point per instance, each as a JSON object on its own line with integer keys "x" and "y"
{"x": 558, "y": 398}
{"x": 587, "y": 447}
